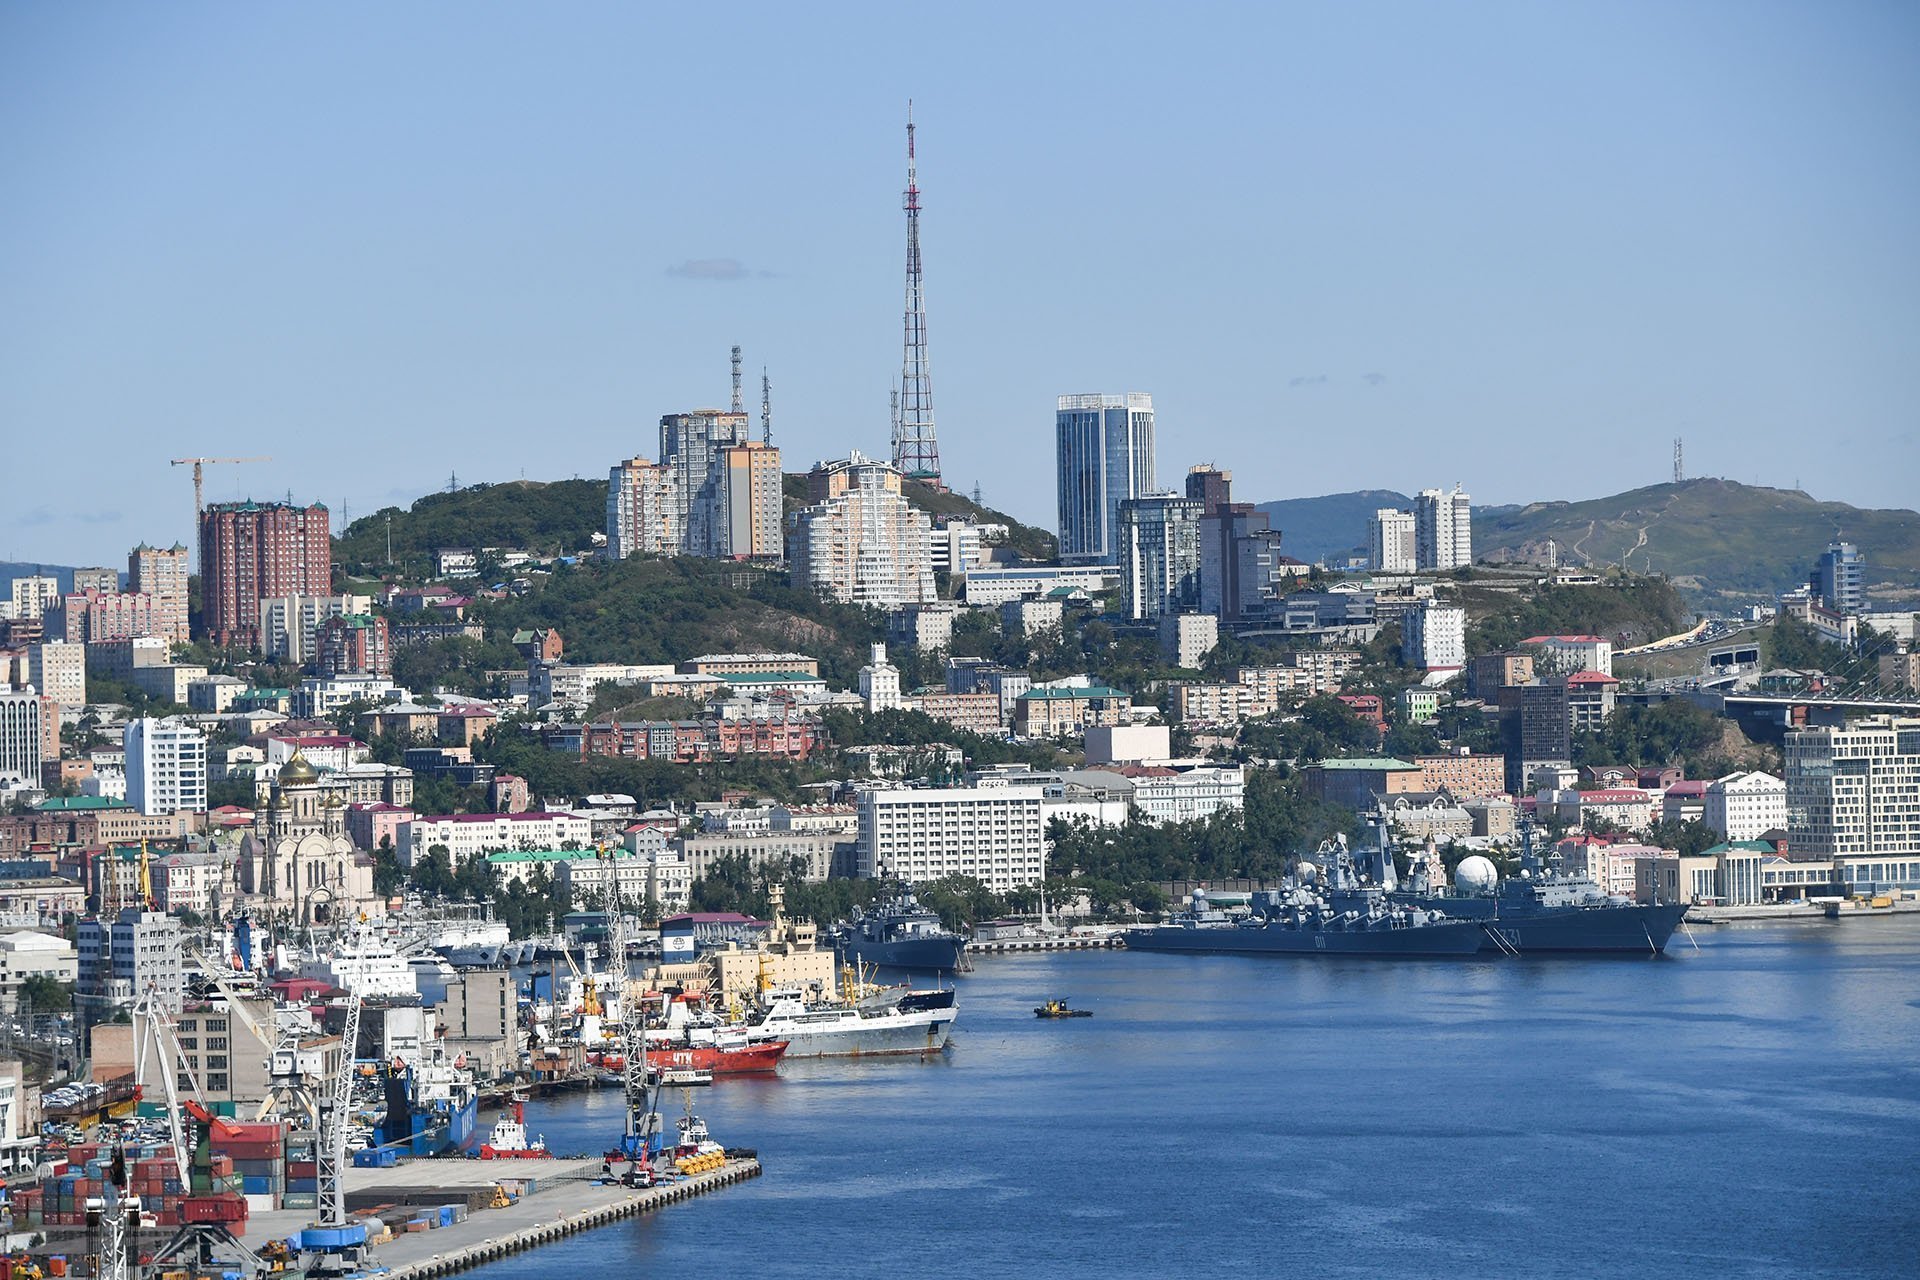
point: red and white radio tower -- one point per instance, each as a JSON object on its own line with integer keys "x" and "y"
{"x": 915, "y": 450}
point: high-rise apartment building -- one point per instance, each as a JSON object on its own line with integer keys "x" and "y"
{"x": 96, "y": 580}
{"x": 643, "y": 509}
{"x": 865, "y": 543}
{"x": 1854, "y": 790}
{"x": 22, "y": 742}
{"x": 1837, "y": 578}
{"x": 352, "y": 644}
{"x": 1159, "y": 543}
{"x": 252, "y": 551}
{"x": 751, "y": 502}
{"x": 33, "y": 594}
{"x": 690, "y": 446}
{"x": 161, "y": 573}
{"x": 1391, "y": 546}
{"x": 1241, "y": 567}
{"x": 290, "y": 624}
{"x": 1443, "y": 530}
{"x": 994, "y": 834}
{"x": 94, "y": 617}
{"x": 1434, "y": 637}
{"x": 59, "y": 671}
{"x": 1105, "y": 446}
{"x": 166, "y": 767}
{"x": 1209, "y": 486}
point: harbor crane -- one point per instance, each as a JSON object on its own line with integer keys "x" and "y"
{"x": 289, "y": 1092}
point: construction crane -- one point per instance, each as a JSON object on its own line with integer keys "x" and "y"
{"x": 199, "y": 505}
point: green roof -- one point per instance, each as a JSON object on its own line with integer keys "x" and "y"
{"x": 1096, "y": 691}
{"x": 1376, "y": 764}
{"x": 69, "y": 804}
{"x": 1740, "y": 846}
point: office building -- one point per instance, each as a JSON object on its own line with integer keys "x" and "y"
{"x": 1745, "y": 806}
{"x": 252, "y": 551}
{"x": 166, "y": 767}
{"x": 994, "y": 834}
{"x": 1105, "y": 456}
{"x": 1855, "y": 790}
{"x": 691, "y": 446}
{"x": 1242, "y": 571}
{"x": 161, "y": 573}
{"x": 1159, "y": 543}
{"x": 643, "y": 509}
{"x": 1434, "y": 637}
{"x": 22, "y": 737}
{"x": 1391, "y": 544}
{"x": 123, "y": 958}
{"x": 1209, "y": 486}
{"x": 1442, "y": 530}
{"x": 1837, "y": 578}
{"x": 863, "y": 543}
{"x": 59, "y": 671}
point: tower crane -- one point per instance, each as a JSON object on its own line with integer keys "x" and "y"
{"x": 199, "y": 506}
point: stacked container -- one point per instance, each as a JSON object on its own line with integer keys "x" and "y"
{"x": 258, "y": 1156}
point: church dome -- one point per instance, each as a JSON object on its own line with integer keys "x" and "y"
{"x": 297, "y": 772}
{"x": 334, "y": 801}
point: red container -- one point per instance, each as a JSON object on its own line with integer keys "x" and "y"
{"x": 222, "y": 1165}
{"x": 303, "y": 1169}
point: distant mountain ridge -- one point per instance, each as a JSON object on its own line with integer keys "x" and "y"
{"x": 11, "y": 569}
{"x": 1334, "y": 525}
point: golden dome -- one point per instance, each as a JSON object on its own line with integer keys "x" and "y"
{"x": 297, "y": 772}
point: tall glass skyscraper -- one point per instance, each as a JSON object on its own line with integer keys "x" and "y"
{"x": 1106, "y": 457}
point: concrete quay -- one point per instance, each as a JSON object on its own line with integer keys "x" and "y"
{"x": 568, "y": 1199}
{"x": 1018, "y": 946}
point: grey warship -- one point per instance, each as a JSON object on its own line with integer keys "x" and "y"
{"x": 1545, "y": 910}
{"x": 900, "y": 933}
{"x": 1327, "y": 907}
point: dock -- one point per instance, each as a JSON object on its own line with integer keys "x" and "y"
{"x": 569, "y": 1198}
{"x": 1066, "y": 942}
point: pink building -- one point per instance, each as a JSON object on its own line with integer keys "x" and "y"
{"x": 369, "y": 824}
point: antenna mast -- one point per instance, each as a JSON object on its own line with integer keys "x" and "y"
{"x": 766, "y": 407}
{"x": 915, "y": 449}
{"x": 737, "y": 402}
{"x": 1679, "y": 469}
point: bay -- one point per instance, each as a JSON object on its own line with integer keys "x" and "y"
{"x": 1749, "y": 1108}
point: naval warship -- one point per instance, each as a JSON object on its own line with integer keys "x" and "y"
{"x": 1328, "y": 906}
{"x": 1544, "y": 909}
{"x": 901, "y": 934}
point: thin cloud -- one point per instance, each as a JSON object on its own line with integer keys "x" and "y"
{"x": 1374, "y": 379}
{"x": 1314, "y": 380}
{"x": 712, "y": 269}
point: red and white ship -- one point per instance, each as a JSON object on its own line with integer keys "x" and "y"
{"x": 509, "y": 1138}
{"x": 725, "y": 1053}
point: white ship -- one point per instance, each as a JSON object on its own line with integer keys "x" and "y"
{"x": 895, "y": 1023}
{"x": 364, "y": 963}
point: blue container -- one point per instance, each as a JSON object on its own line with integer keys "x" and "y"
{"x": 255, "y": 1186}
{"x": 446, "y": 1215}
{"x": 303, "y": 1184}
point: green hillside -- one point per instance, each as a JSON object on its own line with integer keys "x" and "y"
{"x": 556, "y": 518}
{"x": 1031, "y": 542}
{"x": 1333, "y": 524}
{"x": 1722, "y": 542}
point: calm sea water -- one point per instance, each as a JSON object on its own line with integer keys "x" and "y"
{"x": 1747, "y": 1109}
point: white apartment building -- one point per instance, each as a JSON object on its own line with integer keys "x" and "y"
{"x": 574, "y": 684}
{"x": 320, "y": 696}
{"x": 33, "y": 595}
{"x": 187, "y": 882}
{"x": 20, "y": 735}
{"x": 166, "y": 767}
{"x": 1745, "y": 806}
{"x": 996, "y": 586}
{"x": 1390, "y": 541}
{"x": 1570, "y": 654}
{"x": 955, "y": 547}
{"x": 1434, "y": 637}
{"x": 468, "y": 835}
{"x": 1187, "y": 638}
{"x": 880, "y": 681}
{"x": 1187, "y": 795}
{"x": 59, "y": 670}
{"x": 288, "y": 623}
{"x": 1856, "y": 790}
{"x": 866, "y": 544}
{"x": 1442, "y": 530}
{"x": 994, "y": 834}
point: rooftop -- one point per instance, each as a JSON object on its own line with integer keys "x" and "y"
{"x": 1369, "y": 763}
{"x": 72, "y": 804}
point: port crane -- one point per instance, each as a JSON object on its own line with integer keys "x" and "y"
{"x": 289, "y": 1092}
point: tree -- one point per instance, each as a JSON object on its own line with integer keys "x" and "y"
{"x": 1686, "y": 838}
{"x": 388, "y": 874}
{"x": 40, "y": 993}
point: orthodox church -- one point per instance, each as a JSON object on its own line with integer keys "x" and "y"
{"x": 298, "y": 859}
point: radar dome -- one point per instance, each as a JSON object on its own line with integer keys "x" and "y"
{"x": 1475, "y": 874}
{"x": 1307, "y": 871}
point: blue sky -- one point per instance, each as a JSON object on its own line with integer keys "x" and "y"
{"x": 1518, "y": 246}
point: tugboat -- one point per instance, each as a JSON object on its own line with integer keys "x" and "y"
{"x": 509, "y": 1138}
{"x": 1350, "y": 916}
{"x": 1543, "y": 909}
{"x": 1059, "y": 1009}
{"x": 901, "y": 934}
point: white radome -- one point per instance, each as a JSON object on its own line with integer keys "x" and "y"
{"x": 1475, "y": 874}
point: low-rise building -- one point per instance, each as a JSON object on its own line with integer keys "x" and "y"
{"x": 1745, "y": 806}
{"x": 994, "y": 834}
{"x": 468, "y": 835}
{"x": 1358, "y": 783}
{"x": 1068, "y": 712}
{"x": 29, "y": 953}
{"x": 1465, "y": 774}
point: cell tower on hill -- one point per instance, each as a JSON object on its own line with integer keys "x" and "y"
{"x": 1679, "y": 467}
{"x": 915, "y": 449}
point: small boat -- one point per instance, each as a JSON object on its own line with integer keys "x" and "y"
{"x": 681, "y": 1077}
{"x": 509, "y": 1139}
{"x": 1058, "y": 1009}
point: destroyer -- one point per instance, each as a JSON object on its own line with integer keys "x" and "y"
{"x": 1351, "y": 917}
{"x": 1543, "y": 909}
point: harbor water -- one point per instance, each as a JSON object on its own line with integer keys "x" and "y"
{"x": 1749, "y": 1108}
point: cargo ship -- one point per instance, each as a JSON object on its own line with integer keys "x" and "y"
{"x": 432, "y": 1109}
{"x": 1329, "y": 906}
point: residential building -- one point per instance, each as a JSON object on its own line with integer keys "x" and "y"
{"x": 1163, "y": 794}
{"x": 1626, "y": 808}
{"x": 865, "y": 543}
{"x": 1212, "y": 702}
{"x": 1569, "y": 654}
{"x": 320, "y": 696}
{"x": 1837, "y": 578}
{"x": 1442, "y": 530}
{"x": 927, "y": 625}
{"x": 160, "y": 573}
{"x": 980, "y": 713}
{"x": 22, "y": 739}
{"x": 1489, "y": 673}
{"x": 215, "y": 695}
{"x": 119, "y": 659}
{"x": 956, "y": 547}
{"x": 997, "y": 585}
{"x": 1209, "y": 486}
{"x": 33, "y": 595}
{"x": 352, "y": 644}
{"x": 251, "y": 552}
{"x": 995, "y": 834}
{"x": 1105, "y": 456}
{"x": 1590, "y": 700}
{"x": 1900, "y": 670}
{"x": 169, "y": 682}
{"x": 1032, "y": 615}
{"x": 691, "y": 445}
{"x": 188, "y": 882}
{"x": 1434, "y": 637}
{"x": 470, "y": 835}
{"x": 166, "y": 767}
{"x": 1391, "y": 544}
{"x": 1852, "y": 791}
{"x": 777, "y": 731}
{"x": 1159, "y": 550}
{"x": 811, "y": 853}
{"x": 1419, "y": 704}
{"x": 1464, "y": 775}
{"x": 574, "y": 684}
{"x": 1358, "y": 783}
{"x": 91, "y": 617}
{"x": 59, "y": 671}
{"x": 123, "y": 958}
{"x": 1419, "y": 815}
{"x": 1242, "y": 570}
{"x": 750, "y": 503}
{"x": 1066, "y": 713}
{"x": 748, "y": 664}
{"x": 1187, "y": 638}
{"x": 1745, "y": 806}
{"x": 880, "y": 681}
{"x": 643, "y": 509}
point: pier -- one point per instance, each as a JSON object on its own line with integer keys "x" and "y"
{"x": 1016, "y": 946}
{"x": 568, "y": 1198}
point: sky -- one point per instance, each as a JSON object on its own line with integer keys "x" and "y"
{"x": 1519, "y": 247}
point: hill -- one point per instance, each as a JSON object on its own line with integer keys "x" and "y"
{"x": 1333, "y": 525}
{"x": 1721, "y": 542}
{"x": 556, "y": 518}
